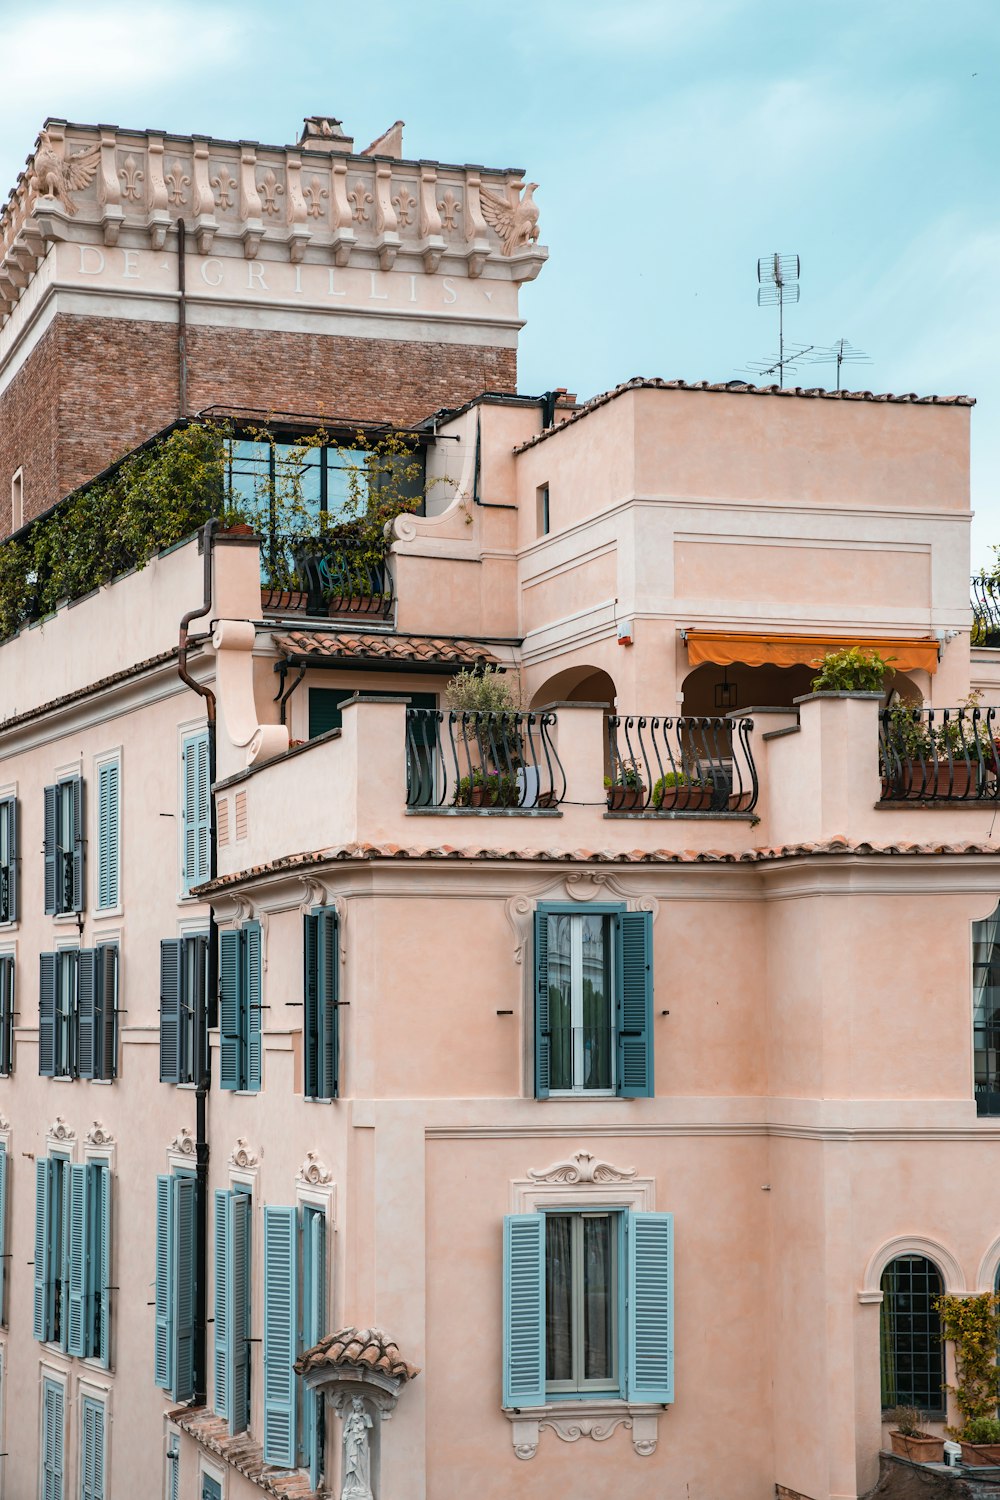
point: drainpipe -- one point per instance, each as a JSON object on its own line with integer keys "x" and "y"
{"x": 203, "y": 1078}
{"x": 182, "y": 363}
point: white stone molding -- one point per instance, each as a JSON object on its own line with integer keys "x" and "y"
{"x": 314, "y": 1172}
{"x": 583, "y": 886}
{"x": 60, "y": 1135}
{"x": 583, "y": 1166}
{"x": 183, "y": 1142}
{"x": 242, "y": 1158}
{"x": 988, "y": 1266}
{"x": 573, "y": 1420}
{"x": 98, "y": 1136}
{"x": 911, "y": 1244}
{"x": 4, "y": 1123}
{"x": 579, "y": 1180}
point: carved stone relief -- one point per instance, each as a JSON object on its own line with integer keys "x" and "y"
{"x": 314, "y": 1171}
{"x": 242, "y": 1157}
{"x": 98, "y": 1136}
{"x": 583, "y": 1166}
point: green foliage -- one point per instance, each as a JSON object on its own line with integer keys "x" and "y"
{"x": 972, "y": 1324}
{"x": 498, "y": 789}
{"x": 628, "y": 774}
{"x": 907, "y": 1421}
{"x": 675, "y": 779}
{"x": 982, "y": 1430}
{"x": 852, "y": 670}
{"x": 489, "y": 691}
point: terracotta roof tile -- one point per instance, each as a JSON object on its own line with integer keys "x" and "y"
{"x": 366, "y": 853}
{"x": 740, "y": 388}
{"x": 425, "y": 649}
{"x": 243, "y": 1454}
{"x": 358, "y": 1346}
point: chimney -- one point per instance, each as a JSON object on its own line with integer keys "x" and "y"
{"x": 324, "y": 133}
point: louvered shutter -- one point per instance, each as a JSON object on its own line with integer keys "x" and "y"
{"x": 43, "y": 1267}
{"x": 230, "y": 1007}
{"x": 3, "y": 1226}
{"x": 106, "y": 976}
{"x": 92, "y": 1450}
{"x": 87, "y": 1004}
{"x": 310, "y": 1007}
{"x": 313, "y": 1302}
{"x": 164, "y": 1341}
{"x": 203, "y": 809}
{"x": 280, "y": 1304}
{"x": 47, "y": 1015}
{"x": 196, "y": 807}
{"x": 74, "y": 790}
{"x": 80, "y": 1320}
{"x": 108, "y": 835}
{"x": 543, "y": 1039}
{"x": 329, "y": 1010}
{"x": 171, "y": 959}
{"x": 6, "y": 1014}
{"x": 101, "y": 1180}
{"x": 650, "y": 1310}
{"x": 253, "y": 1002}
{"x": 239, "y": 1311}
{"x": 635, "y": 1004}
{"x": 51, "y": 828}
{"x": 9, "y": 859}
{"x": 222, "y": 1280}
{"x": 183, "y": 1260}
{"x": 53, "y": 1403}
{"x": 524, "y": 1310}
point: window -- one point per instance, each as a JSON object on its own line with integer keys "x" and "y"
{"x": 92, "y": 1446}
{"x": 8, "y": 859}
{"x": 240, "y": 1006}
{"x": 108, "y": 834}
{"x": 53, "y": 1438}
{"x": 17, "y": 500}
{"x": 232, "y": 1307}
{"x": 912, "y": 1352}
{"x": 173, "y": 1466}
{"x": 3, "y": 1231}
{"x": 196, "y": 794}
{"x": 294, "y": 1320}
{"x": 542, "y": 509}
{"x": 593, "y": 1002}
{"x": 322, "y": 479}
{"x": 72, "y": 1291}
{"x": 986, "y": 1013}
{"x": 588, "y": 1306}
{"x": 173, "y": 1360}
{"x": 64, "y": 846}
{"x": 6, "y": 1014}
{"x": 78, "y": 1013}
{"x": 320, "y": 1041}
{"x": 183, "y": 1007}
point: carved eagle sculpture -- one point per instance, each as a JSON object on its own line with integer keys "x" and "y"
{"x": 55, "y": 176}
{"x": 516, "y": 223}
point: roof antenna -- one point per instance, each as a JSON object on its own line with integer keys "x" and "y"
{"x": 778, "y": 283}
{"x": 841, "y": 353}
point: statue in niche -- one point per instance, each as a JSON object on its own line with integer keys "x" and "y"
{"x": 357, "y": 1454}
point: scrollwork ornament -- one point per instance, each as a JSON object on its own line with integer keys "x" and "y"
{"x": 60, "y": 1131}
{"x": 242, "y": 1157}
{"x": 525, "y": 1450}
{"x": 314, "y": 1171}
{"x": 582, "y": 1166}
{"x": 98, "y": 1136}
{"x": 183, "y": 1142}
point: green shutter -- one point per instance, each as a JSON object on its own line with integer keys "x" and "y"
{"x": 524, "y": 1310}
{"x": 47, "y": 1015}
{"x": 6, "y": 1014}
{"x": 43, "y": 1266}
{"x": 329, "y": 1008}
{"x": 106, "y": 994}
{"x": 185, "y": 1191}
{"x": 108, "y": 836}
{"x": 543, "y": 1042}
{"x": 239, "y": 1311}
{"x": 634, "y": 930}
{"x": 230, "y": 1007}
{"x": 650, "y": 1312}
{"x": 280, "y": 1311}
{"x": 51, "y": 829}
{"x": 195, "y": 808}
{"x": 3, "y": 1227}
{"x": 170, "y": 1010}
{"x": 74, "y": 790}
{"x": 223, "y": 1360}
{"x": 310, "y": 1007}
{"x": 91, "y": 1449}
{"x": 164, "y": 1339}
{"x": 53, "y": 1436}
{"x": 8, "y": 860}
{"x": 80, "y": 1319}
{"x": 87, "y": 1028}
{"x": 324, "y": 709}
{"x": 252, "y": 1003}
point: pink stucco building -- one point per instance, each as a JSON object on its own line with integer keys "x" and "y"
{"x": 587, "y": 1101}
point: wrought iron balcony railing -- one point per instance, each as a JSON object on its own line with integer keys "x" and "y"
{"x": 939, "y": 754}
{"x": 487, "y": 761}
{"x": 985, "y": 610}
{"x": 682, "y": 765}
{"x": 325, "y": 576}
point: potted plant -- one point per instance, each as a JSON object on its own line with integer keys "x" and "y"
{"x": 972, "y": 1324}
{"x": 851, "y": 670}
{"x": 921, "y": 761}
{"x": 625, "y": 789}
{"x": 980, "y": 1440}
{"x": 908, "y": 1438}
{"x": 677, "y": 791}
{"x": 487, "y": 789}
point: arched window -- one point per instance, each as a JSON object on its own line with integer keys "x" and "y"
{"x": 986, "y": 1013}
{"x": 912, "y": 1353}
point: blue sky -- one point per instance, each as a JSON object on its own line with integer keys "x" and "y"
{"x": 674, "y": 141}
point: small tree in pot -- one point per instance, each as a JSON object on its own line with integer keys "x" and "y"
{"x": 908, "y": 1438}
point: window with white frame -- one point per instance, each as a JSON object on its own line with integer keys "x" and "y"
{"x": 6, "y": 1014}
{"x": 295, "y": 1280}
{"x": 8, "y": 859}
{"x": 108, "y": 833}
{"x": 52, "y": 1439}
{"x": 63, "y": 842}
{"x": 78, "y": 1013}
{"x": 72, "y": 1283}
{"x": 183, "y": 1006}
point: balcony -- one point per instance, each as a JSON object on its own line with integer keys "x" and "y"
{"x": 685, "y": 766}
{"x": 484, "y": 762}
{"x": 326, "y": 577}
{"x": 946, "y": 755}
{"x": 985, "y": 592}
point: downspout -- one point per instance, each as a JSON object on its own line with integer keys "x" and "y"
{"x": 203, "y": 1071}
{"x": 182, "y": 363}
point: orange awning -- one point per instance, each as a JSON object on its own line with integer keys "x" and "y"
{"x": 724, "y": 647}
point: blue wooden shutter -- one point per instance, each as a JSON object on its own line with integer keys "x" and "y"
{"x": 51, "y": 832}
{"x": 230, "y": 1007}
{"x": 92, "y": 1449}
{"x": 650, "y": 1318}
{"x": 173, "y": 1466}
{"x": 543, "y": 1041}
{"x": 87, "y": 1043}
{"x": 253, "y": 1002}
{"x": 635, "y": 1004}
{"x": 183, "y": 1290}
{"x": 310, "y": 1007}
{"x": 53, "y": 1432}
{"x": 108, "y": 835}
{"x": 106, "y": 992}
{"x": 223, "y": 1361}
{"x": 329, "y": 1009}
{"x": 100, "y": 1174}
{"x": 524, "y": 1310}
{"x": 74, "y": 790}
{"x": 76, "y": 1333}
{"x": 43, "y": 1266}
{"x": 47, "y": 1015}
{"x": 239, "y": 1311}
{"x": 280, "y": 1312}
{"x": 313, "y": 1321}
{"x": 3, "y": 1225}
{"x": 195, "y": 808}
{"x": 6, "y": 1014}
{"x": 163, "y": 1343}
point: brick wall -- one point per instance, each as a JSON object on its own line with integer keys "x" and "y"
{"x": 94, "y": 388}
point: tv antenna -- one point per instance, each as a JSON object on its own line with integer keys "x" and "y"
{"x": 781, "y": 364}
{"x": 778, "y": 283}
{"x": 841, "y": 353}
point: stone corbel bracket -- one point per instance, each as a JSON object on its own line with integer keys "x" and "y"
{"x": 233, "y": 641}
{"x": 596, "y": 1420}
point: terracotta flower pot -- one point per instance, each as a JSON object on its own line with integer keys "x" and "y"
{"x": 686, "y": 798}
{"x": 625, "y": 798}
{"x": 935, "y": 779}
{"x": 979, "y": 1455}
{"x": 921, "y": 1450}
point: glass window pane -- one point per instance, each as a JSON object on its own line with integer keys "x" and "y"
{"x": 598, "y": 1298}
{"x": 248, "y": 471}
{"x": 346, "y": 481}
{"x": 558, "y": 1297}
{"x": 560, "y": 1002}
{"x": 986, "y": 1013}
{"x": 911, "y": 1351}
{"x": 596, "y": 1002}
{"x": 297, "y": 483}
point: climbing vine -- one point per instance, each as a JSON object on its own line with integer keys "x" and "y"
{"x": 972, "y": 1324}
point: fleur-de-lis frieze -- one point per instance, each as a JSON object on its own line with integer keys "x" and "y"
{"x": 270, "y": 189}
{"x": 223, "y": 185}
{"x": 178, "y": 180}
{"x": 131, "y": 175}
{"x": 359, "y": 196}
{"x": 448, "y": 208}
{"x": 316, "y": 192}
{"x": 404, "y": 202}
